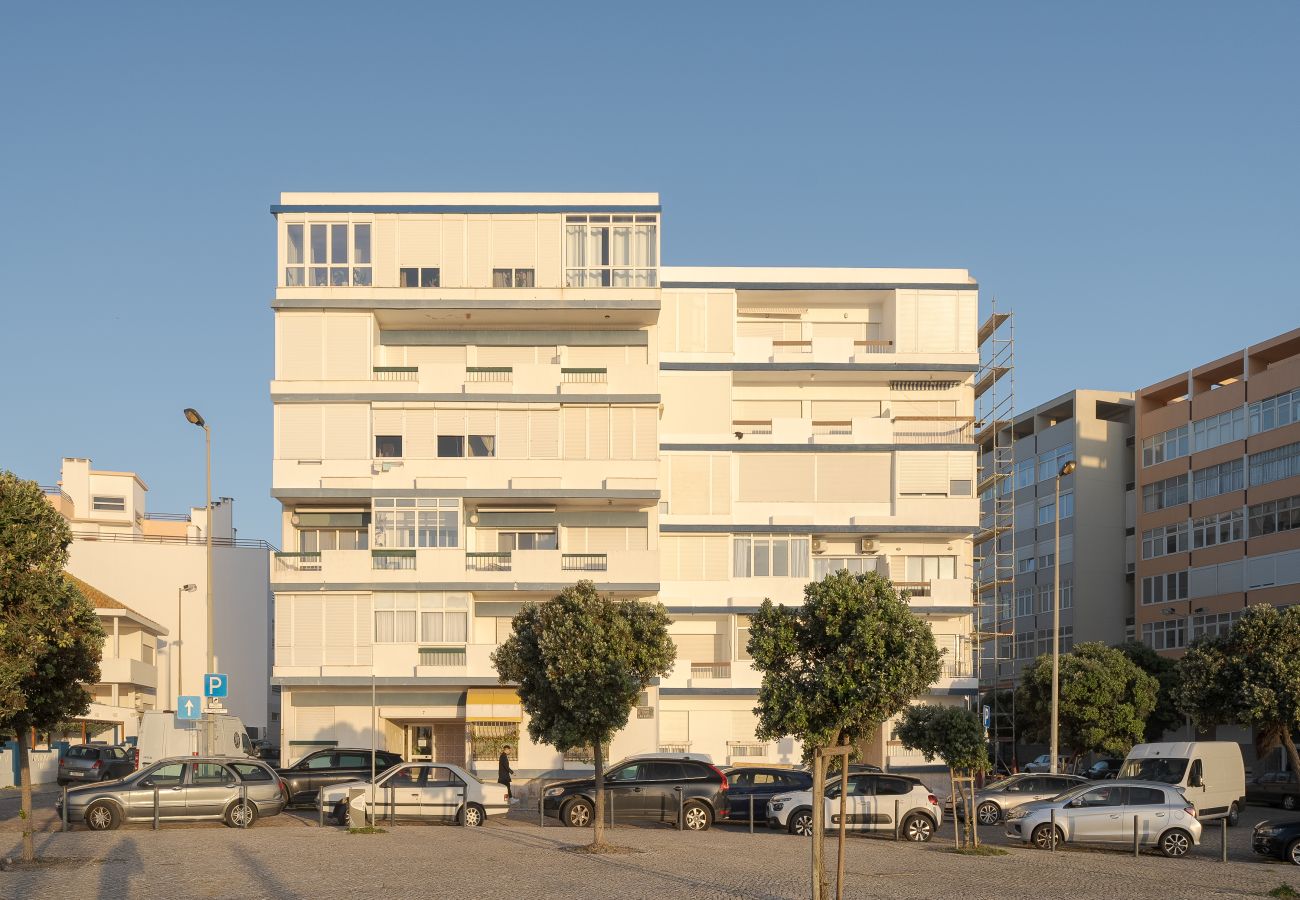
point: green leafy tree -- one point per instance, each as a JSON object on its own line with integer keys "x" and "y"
{"x": 1250, "y": 676}
{"x": 956, "y": 736}
{"x": 836, "y": 668}
{"x": 50, "y": 637}
{"x": 1166, "y": 716}
{"x": 581, "y": 660}
{"x": 1105, "y": 700}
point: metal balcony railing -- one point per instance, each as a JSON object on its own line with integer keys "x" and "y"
{"x": 167, "y": 517}
{"x": 584, "y": 562}
{"x": 675, "y": 747}
{"x": 395, "y": 373}
{"x": 487, "y": 562}
{"x": 297, "y": 562}
{"x": 832, "y": 427}
{"x": 442, "y": 656}
{"x": 933, "y": 430}
{"x": 710, "y": 669}
{"x": 752, "y": 426}
{"x": 873, "y": 346}
{"x": 584, "y": 376}
{"x": 746, "y": 749}
{"x": 390, "y": 560}
{"x": 915, "y": 588}
{"x": 489, "y": 373}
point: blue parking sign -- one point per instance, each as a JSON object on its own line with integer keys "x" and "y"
{"x": 189, "y": 708}
{"x": 216, "y": 685}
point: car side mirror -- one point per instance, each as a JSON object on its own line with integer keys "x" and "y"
{"x": 1075, "y": 804}
{"x": 1197, "y": 781}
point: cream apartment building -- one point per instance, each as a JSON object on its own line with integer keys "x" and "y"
{"x": 482, "y": 398}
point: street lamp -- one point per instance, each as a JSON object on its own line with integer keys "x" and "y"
{"x": 176, "y": 641}
{"x": 192, "y": 416}
{"x": 1066, "y": 469}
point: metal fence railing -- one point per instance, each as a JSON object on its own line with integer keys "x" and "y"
{"x": 584, "y": 376}
{"x": 487, "y": 562}
{"x": 395, "y": 373}
{"x": 584, "y": 562}
{"x": 297, "y": 562}
{"x": 489, "y": 373}
{"x": 392, "y": 559}
{"x": 710, "y": 669}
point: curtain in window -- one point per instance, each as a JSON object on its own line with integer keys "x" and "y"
{"x": 740, "y": 556}
{"x": 799, "y": 557}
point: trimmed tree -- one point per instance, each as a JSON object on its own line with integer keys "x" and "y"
{"x": 1166, "y": 716}
{"x": 835, "y": 669}
{"x": 50, "y": 637}
{"x": 581, "y": 659}
{"x": 1250, "y": 676}
{"x": 954, "y": 735}
{"x": 1105, "y": 700}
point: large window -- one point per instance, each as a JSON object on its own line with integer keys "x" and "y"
{"x": 1025, "y": 601}
{"x": 1217, "y": 430}
{"x": 1164, "y": 588}
{"x": 334, "y": 254}
{"x": 1222, "y": 528}
{"x": 1164, "y": 540}
{"x": 1274, "y": 412}
{"x": 313, "y": 540}
{"x": 1163, "y": 494}
{"x": 408, "y": 617}
{"x": 1025, "y": 472}
{"x": 417, "y": 522}
{"x": 108, "y": 504}
{"x": 526, "y": 540}
{"x": 1170, "y": 444}
{"x": 825, "y": 565}
{"x": 1214, "y": 480}
{"x": 1025, "y": 645}
{"x": 611, "y": 250}
{"x": 1274, "y": 465}
{"x": 778, "y": 557}
{"x": 1213, "y": 624}
{"x": 1050, "y": 462}
{"x": 1274, "y": 516}
{"x": 1046, "y": 511}
{"x": 930, "y": 568}
{"x": 1168, "y": 634}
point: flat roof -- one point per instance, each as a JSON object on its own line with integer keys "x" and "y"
{"x": 439, "y": 201}
{"x": 809, "y": 277}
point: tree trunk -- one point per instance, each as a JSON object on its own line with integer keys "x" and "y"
{"x": 844, "y": 793}
{"x": 25, "y": 780}
{"x": 818, "y": 824}
{"x": 1291, "y": 753}
{"x": 952, "y": 786}
{"x": 598, "y": 826}
{"x": 970, "y": 815}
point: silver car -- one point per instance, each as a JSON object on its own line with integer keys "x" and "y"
{"x": 995, "y": 799}
{"x": 236, "y": 791}
{"x": 1108, "y": 814}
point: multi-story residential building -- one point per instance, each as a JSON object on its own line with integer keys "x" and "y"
{"x": 125, "y": 551}
{"x": 482, "y": 398}
{"x": 1095, "y": 430}
{"x": 1218, "y": 493}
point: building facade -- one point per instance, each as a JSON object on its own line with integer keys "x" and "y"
{"x": 1218, "y": 493}
{"x": 482, "y": 398}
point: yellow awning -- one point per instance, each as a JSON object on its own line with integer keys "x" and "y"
{"x": 492, "y": 705}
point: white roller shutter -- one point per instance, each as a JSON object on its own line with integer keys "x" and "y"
{"x": 309, "y": 631}
{"x": 853, "y": 477}
{"x": 844, "y": 410}
{"x": 776, "y": 476}
{"x": 419, "y": 242}
{"x": 922, "y": 472}
{"x": 692, "y": 323}
{"x": 514, "y": 243}
{"x": 345, "y": 429}
{"x": 690, "y": 493}
{"x": 647, "y": 433}
{"x": 937, "y": 322}
{"x": 575, "y": 432}
{"x": 512, "y": 436}
{"x": 674, "y": 726}
{"x": 695, "y": 648}
{"x": 721, "y": 323}
{"x": 421, "y": 434}
{"x": 482, "y": 421}
{"x": 387, "y": 421}
{"x": 598, "y": 432}
{"x": 544, "y": 434}
{"x": 302, "y": 336}
{"x": 451, "y": 422}
{"x": 347, "y": 347}
{"x": 622, "y": 432}
{"x": 505, "y": 356}
{"x": 720, "y": 484}
{"x": 717, "y": 557}
{"x": 314, "y": 723}
{"x": 764, "y": 410}
{"x": 299, "y": 431}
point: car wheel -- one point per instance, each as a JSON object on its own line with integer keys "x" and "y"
{"x": 1042, "y": 837}
{"x": 102, "y": 816}
{"x": 1290, "y": 802}
{"x": 1293, "y": 852}
{"x": 1234, "y": 815}
{"x": 472, "y": 815}
{"x": 919, "y": 828}
{"x": 801, "y": 823}
{"x": 1175, "y": 843}
{"x": 241, "y": 814}
{"x": 696, "y": 817}
{"x": 577, "y": 814}
{"x": 988, "y": 813}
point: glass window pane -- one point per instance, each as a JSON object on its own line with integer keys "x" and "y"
{"x": 762, "y": 554}
{"x": 740, "y": 557}
{"x": 501, "y": 278}
{"x": 405, "y": 626}
{"x": 408, "y": 277}
{"x": 318, "y": 239}
{"x": 482, "y": 445}
{"x": 361, "y": 276}
{"x": 339, "y": 277}
{"x": 429, "y": 277}
{"x": 361, "y": 243}
{"x": 451, "y": 445}
{"x": 455, "y": 628}
{"x": 294, "y": 245}
{"x": 295, "y": 276}
{"x": 781, "y": 558}
{"x": 338, "y": 243}
{"x": 525, "y": 278}
{"x": 320, "y": 277}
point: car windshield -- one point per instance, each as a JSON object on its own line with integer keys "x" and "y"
{"x": 1167, "y": 770}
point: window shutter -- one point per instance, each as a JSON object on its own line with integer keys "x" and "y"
{"x": 482, "y": 421}
{"x": 717, "y": 557}
{"x": 544, "y": 434}
{"x": 514, "y": 243}
{"x": 451, "y": 421}
{"x": 347, "y": 347}
{"x": 387, "y": 421}
{"x": 766, "y": 409}
{"x": 690, "y": 493}
{"x": 314, "y": 723}
{"x": 598, "y": 432}
{"x": 922, "y": 472}
{"x": 299, "y": 431}
{"x": 674, "y": 726}
{"x": 669, "y": 566}
{"x": 419, "y": 242}
{"x": 720, "y": 484}
{"x": 720, "y": 323}
{"x": 575, "y": 432}
{"x": 694, "y": 648}
{"x": 638, "y": 538}
{"x": 512, "y": 437}
{"x": 284, "y": 604}
{"x": 435, "y": 356}
{"x": 647, "y": 436}
{"x": 776, "y": 476}
{"x": 345, "y": 431}
{"x": 309, "y": 631}
{"x": 340, "y": 629}
{"x": 301, "y": 338}
{"x": 844, "y": 410}
{"x": 854, "y": 477}
{"x": 421, "y": 434}
{"x": 622, "y": 432}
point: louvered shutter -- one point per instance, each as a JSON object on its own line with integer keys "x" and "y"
{"x": 720, "y": 484}
{"x": 512, "y": 436}
{"x": 690, "y": 493}
{"x": 622, "y": 437}
{"x": 598, "y": 432}
{"x": 776, "y": 476}
{"x": 544, "y": 434}
{"x": 575, "y": 432}
{"x": 853, "y": 477}
{"x": 299, "y": 431}
{"x": 647, "y": 433}
{"x": 347, "y": 347}
{"x": 345, "y": 429}
{"x": 922, "y": 472}
{"x": 301, "y": 340}
{"x": 421, "y": 434}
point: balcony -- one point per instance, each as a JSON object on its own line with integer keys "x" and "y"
{"x": 710, "y": 670}
{"x": 297, "y": 562}
{"x": 128, "y": 671}
{"x": 933, "y": 430}
{"x": 487, "y": 562}
{"x": 392, "y": 560}
{"x": 746, "y": 750}
{"x": 584, "y": 376}
{"x": 497, "y": 374}
{"x": 914, "y": 588}
{"x": 584, "y": 562}
{"x": 395, "y": 373}
{"x": 493, "y": 570}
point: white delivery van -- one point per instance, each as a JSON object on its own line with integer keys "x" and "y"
{"x": 1210, "y": 773}
{"x": 163, "y": 736}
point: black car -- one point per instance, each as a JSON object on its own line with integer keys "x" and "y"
{"x": 322, "y": 768}
{"x": 87, "y": 763}
{"x": 761, "y": 784}
{"x": 1104, "y": 769}
{"x": 1280, "y": 840}
{"x": 645, "y": 787}
{"x": 1274, "y": 789}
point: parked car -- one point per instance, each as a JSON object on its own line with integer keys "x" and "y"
{"x": 870, "y": 805}
{"x": 82, "y": 763}
{"x": 1280, "y": 840}
{"x": 1104, "y": 769}
{"x": 1211, "y": 774}
{"x": 236, "y": 791}
{"x": 322, "y": 768}
{"x": 1105, "y": 813}
{"x": 1274, "y": 789}
{"x": 994, "y": 800}
{"x": 646, "y": 787}
{"x": 428, "y": 791}
{"x": 853, "y": 767}
{"x": 761, "y": 784}
{"x": 1044, "y": 764}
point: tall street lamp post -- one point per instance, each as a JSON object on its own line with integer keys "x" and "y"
{"x": 176, "y": 642}
{"x": 1066, "y": 469}
{"x": 192, "y": 416}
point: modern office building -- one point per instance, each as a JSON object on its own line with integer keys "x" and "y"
{"x": 1218, "y": 491}
{"x": 142, "y": 561}
{"x": 482, "y": 398}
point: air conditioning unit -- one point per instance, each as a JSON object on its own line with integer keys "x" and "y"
{"x": 868, "y": 545}
{"x": 817, "y": 546}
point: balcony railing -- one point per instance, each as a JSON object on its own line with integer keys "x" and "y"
{"x": 170, "y": 539}
{"x": 832, "y": 428}
{"x": 297, "y": 562}
{"x": 167, "y": 517}
{"x": 487, "y": 562}
{"x": 675, "y": 747}
{"x": 395, "y": 373}
{"x": 932, "y": 430}
{"x": 746, "y": 750}
{"x": 710, "y": 669}
{"x": 489, "y": 373}
{"x": 584, "y": 562}
{"x": 442, "y": 656}
{"x": 958, "y": 669}
{"x": 390, "y": 560}
{"x": 752, "y": 426}
{"x": 915, "y": 588}
{"x": 584, "y": 376}
{"x": 792, "y": 346}
{"x": 873, "y": 346}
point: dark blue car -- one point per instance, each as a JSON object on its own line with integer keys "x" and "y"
{"x": 1280, "y": 840}
{"x": 761, "y": 784}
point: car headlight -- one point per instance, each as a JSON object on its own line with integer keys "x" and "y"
{"x": 1016, "y": 814}
{"x": 1268, "y": 832}
{"x": 776, "y": 805}
{"x": 779, "y": 800}
{"x": 554, "y": 792}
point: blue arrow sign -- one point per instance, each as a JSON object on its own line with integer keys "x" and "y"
{"x": 216, "y": 685}
{"x": 189, "y": 708}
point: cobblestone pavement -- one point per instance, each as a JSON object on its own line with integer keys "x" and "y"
{"x": 513, "y": 857}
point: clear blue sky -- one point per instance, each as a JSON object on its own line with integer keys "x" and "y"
{"x": 1124, "y": 175}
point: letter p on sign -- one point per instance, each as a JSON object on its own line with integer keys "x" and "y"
{"x": 216, "y": 685}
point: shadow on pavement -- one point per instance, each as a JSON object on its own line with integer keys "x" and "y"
{"x": 117, "y": 871}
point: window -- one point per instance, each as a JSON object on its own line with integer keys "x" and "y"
{"x": 210, "y": 773}
{"x": 1047, "y": 560}
{"x": 416, "y": 522}
{"x": 1213, "y": 624}
{"x": 421, "y": 277}
{"x": 1274, "y": 412}
{"x": 1167, "y": 445}
{"x": 959, "y": 487}
{"x": 1025, "y": 565}
{"x": 336, "y": 254}
{"x": 892, "y": 787}
{"x": 108, "y": 504}
{"x": 482, "y": 445}
{"x": 320, "y": 761}
{"x": 250, "y": 771}
{"x": 611, "y": 250}
{"x": 779, "y": 557}
{"x": 352, "y": 760}
{"x": 1274, "y": 516}
{"x": 1218, "y": 430}
{"x": 314, "y": 540}
{"x": 451, "y": 445}
{"x": 1025, "y": 645}
{"x": 930, "y": 568}
{"x": 1067, "y": 638}
{"x": 388, "y": 446}
{"x": 168, "y": 774}
{"x": 1050, "y": 462}
{"x": 1046, "y": 511}
{"x": 1045, "y": 598}
{"x": 1163, "y": 494}
{"x": 1067, "y": 504}
{"x": 1222, "y": 528}
{"x": 441, "y": 617}
{"x": 1214, "y": 480}
{"x": 1164, "y": 540}
{"x": 825, "y": 565}
{"x": 742, "y": 637}
{"x": 1025, "y": 602}
{"x": 526, "y": 540}
{"x": 1274, "y": 465}
{"x": 1167, "y": 634}
{"x": 1164, "y": 588}
{"x": 444, "y": 618}
{"x": 1067, "y": 594}
{"x": 514, "y": 278}
{"x": 1044, "y": 641}
{"x": 1025, "y": 472}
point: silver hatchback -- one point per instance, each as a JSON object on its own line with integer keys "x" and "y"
{"x": 1113, "y": 812}
{"x": 996, "y": 799}
{"x": 236, "y": 791}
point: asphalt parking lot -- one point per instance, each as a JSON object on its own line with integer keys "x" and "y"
{"x": 290, "y": 856}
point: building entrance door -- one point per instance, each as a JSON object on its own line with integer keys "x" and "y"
{"x": 442, "y": 742}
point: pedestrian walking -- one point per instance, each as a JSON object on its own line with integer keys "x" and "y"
{"x": 504, "y": 771}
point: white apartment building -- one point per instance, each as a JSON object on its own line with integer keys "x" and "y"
{"x": 144, "y": 559}
{"x": 482, "y": 398}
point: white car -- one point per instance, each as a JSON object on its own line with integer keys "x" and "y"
{"x": 430, "y": 791}
{"x": 1107, "y": 813}
{"x": 872, "y": 802}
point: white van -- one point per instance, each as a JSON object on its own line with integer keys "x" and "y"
{"x": 163, "y": 736}
{"x": 1210, "y": 773}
